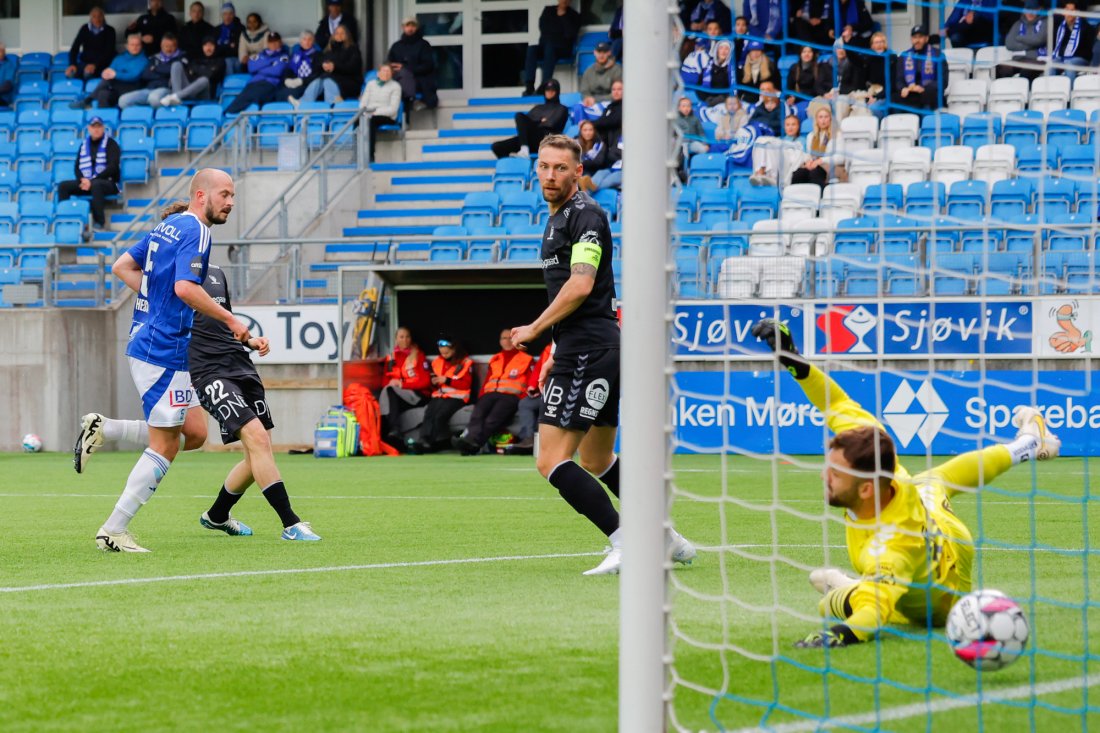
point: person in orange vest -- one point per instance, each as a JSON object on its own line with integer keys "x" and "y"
{"x": 407, "y": 384}
{"x": 528, "y": 411}
{"x": 507, "y": 381}
{"x": 452, "y": 377}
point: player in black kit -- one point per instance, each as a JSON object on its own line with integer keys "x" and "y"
{"x": 230, "y": 389}
{"x": 580, "y": 381}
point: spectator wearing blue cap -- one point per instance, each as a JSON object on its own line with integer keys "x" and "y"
{"x": 97, "y": 171}
{"x": 756, "y": 69}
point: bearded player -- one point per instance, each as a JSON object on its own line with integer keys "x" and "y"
{"x": 913, "y": 555}
{"x": 580, "y": 381}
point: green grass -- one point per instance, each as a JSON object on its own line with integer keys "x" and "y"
{"x": 516, "y": 645}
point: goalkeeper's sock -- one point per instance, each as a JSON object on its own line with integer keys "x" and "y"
{"x": 584, "y": 493}
{"x": 1023, "y": 448}
{"x": 610, "y": 477}
{"x": 131, "y": 431}
{"x": 277, "y": 497}
{"x": 146, "y": 475}
{"x": 223, "y": 504}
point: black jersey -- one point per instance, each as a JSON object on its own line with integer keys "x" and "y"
{"x": 214, "y": 351}
{"x": 593, "y": 325}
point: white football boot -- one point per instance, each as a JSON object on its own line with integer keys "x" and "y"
{"x": 1030, "y": 422}
{"x": 117, "y": 541}
{"x": 683, "y": 551}
{"x": 827, "y": 579}
{"x": 610, "y": 564}
{"x": 88, "y": 441}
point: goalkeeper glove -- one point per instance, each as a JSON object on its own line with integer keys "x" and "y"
{"x": 778, "y": 338}
{"x": 839, "y": 635}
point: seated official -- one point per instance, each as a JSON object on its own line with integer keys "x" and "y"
{"x": 506, "y": 383}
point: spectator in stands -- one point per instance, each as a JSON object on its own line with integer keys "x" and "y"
{"x": 970, "y": 24}
{"x": 509, "y": 376}
{"x": 851, "y": 85}
{"x": 610, "y": 122}
{"x": 921, "y": 74}
{"x": 597, "y": 79}
{"x": 341, "y": 71}
{"x": 853, "y": 23}
{"x": 695, "y": 67}
{"x": 7, "y": 77}
{"x": 775, "y": 159}
{"x": 267, "y": 70}
{"x": 808, "y": 78}
{"x": 532, "y": 126}
{"x": 711, "y": 10}
{"x": 1027, "y": 40}
{"x": 407, "y": 383}
{"x": 1072, "y": 40}
{"x": 615, "y": 32}
{"x": 198, "y": 78}
{"x": 229, "y": 38}
{"x": 381, "y": 98}
{"x": 96, "y": 170}
{"x": 757, "y": 69}
{"x": 253, "y": 39}
{"x": 693, "y": 139}
{"x": 732, "y": 119}
{"x": 612, "y": 175}
{"x": 877, "y": 73}
{"x": 558, "y": 28}
{"x": 713, "y": 31}
{"x": 765, "y": 18}
{"x": 452, "y": 377}
{"x": 122, "y": 76}
{"x": 157, "y": 77}
{"x": 593, "y": 152}
{"x": 305, "y": 66}
{"x": 413, "y": 64}
{"x": 720, "y": 80}
{"x": 740, "y": 30}
{"x": 768, "y": 110}
{"x": 792, "y": 129}
{"x": 812, "y": 22}
{"x": 335, "y": 18}
{"x": 821, "y": 161}
{"x": 93, "y": 48}
{"x": 195, "y": 31}
{"x": 152, "y": 26}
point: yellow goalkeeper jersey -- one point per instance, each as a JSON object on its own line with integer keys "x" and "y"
{"x": 915, "y": 558}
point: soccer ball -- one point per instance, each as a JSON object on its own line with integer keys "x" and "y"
{"x": 31, "y": 443}
{"x": 987, "y": 630}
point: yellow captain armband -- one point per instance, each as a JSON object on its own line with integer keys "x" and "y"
{"x": 586, "y": 253}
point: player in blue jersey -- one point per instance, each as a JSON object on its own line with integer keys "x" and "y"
{"x": 167, "y": 269}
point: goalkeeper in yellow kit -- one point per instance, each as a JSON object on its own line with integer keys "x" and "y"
{"x": 912, "y": 554}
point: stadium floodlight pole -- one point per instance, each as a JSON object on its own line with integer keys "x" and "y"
{"x": 643, "y": 583}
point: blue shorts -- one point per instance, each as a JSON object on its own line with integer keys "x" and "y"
{"x": 166, "y": 394}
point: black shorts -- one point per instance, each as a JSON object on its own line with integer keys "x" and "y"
{"x": 582, "y": 390}
{"x": 234, "y": 402}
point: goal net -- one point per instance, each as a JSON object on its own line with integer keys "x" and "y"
{"x": 943, "y": 274}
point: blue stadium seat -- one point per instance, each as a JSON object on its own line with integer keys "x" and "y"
{"x": 527, "y": 246}
{"x": 925, "y": 198}
{"x": 70, "y": 219}
{"x": 9, "y": 216}
{"x": 64, "y": 91}
{"x": 1035, "y": 158}
{"x": 1066, "y": 127}
{"x": 981, "y": 128}
{"x": 109, "y": 115}
{"x": 904, "y": 285}
{"x": 480, "y": 209}
{"x": 707, "y": 170}
{"x": 35, "y": 218}
{"x": 137, "y": 157}
{"x": 1079, "y": 160}
{"x": 448, "y": 251}
{"x": 316, "y": 123}
{"x": 859, "y": 229}
{"x": 281, "y": 122}
{"x": 33, "y": 67}
{"x": 982, "y": 240}
{"x": 519, "y": 208}
{"x": 967, "y": 199}
{"x": 687, "y": 202}
{"x": 33, "y": 120}
{"x": 66, "y": 123}
{"x": 138, "y": 118}
{"x": 34, "y": 185}
{"x": 1055, "y": 196}
{"x": 169, "y": 124}
{"x": 721, "y": 202}
{"x": 203, "y": 126}
{"x": 1023, "y": 127}
{"x": 1021, "y": 240}
{"x": 883, "y": 198}
{"x": 938, "y": 130}
{"x": 32, "y": 264}
{"x": 512, "y": 170}
{"x": 7, "y": 124}
{"x": 31, "y": 94}
{"x": 944, "y": 236}
{"x": 1011, "y": 197}
{"x": 1074, "y": 237}
{"x": 341, "y": 113}
{"x": 486, "y": 244}
{"x": 954, "y": 272}
{"x": 607, "y": 198}
{"x": 757, "y": 204}
{"x": 32, "y": 151}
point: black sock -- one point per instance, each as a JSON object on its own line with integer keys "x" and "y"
{"x": 219, "y": 511}
{"x": 610, "y": 477}
{"x": 585, "y": 494}
{"x": 280, "y": 502}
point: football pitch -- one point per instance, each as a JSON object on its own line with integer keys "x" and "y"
{"x": 447, "y": 595}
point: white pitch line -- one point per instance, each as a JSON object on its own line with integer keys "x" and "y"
{"x": 301, "y": 496}
{"x": 901, "y": 712}
{"x": 292, "y": 571}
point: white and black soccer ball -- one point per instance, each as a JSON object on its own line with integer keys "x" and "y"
{"x": 987, "y": 630}
{"x": 31, "y": 443}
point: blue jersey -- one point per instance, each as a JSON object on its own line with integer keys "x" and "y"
{"x": 177, "y": 249}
